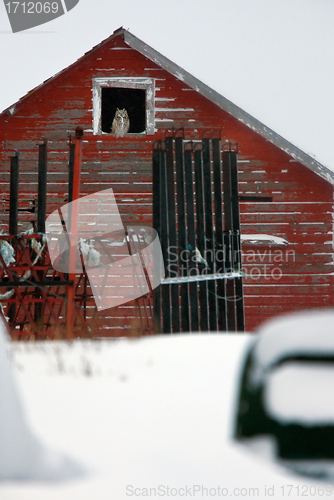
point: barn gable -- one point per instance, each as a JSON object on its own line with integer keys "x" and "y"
{"x": 124, "y": 69}
{"x": 200, "y": 87}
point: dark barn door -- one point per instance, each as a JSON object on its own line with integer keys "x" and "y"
{"x": 196, "y": 214}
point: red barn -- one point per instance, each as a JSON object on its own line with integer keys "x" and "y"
{"x": 287, "y": 242}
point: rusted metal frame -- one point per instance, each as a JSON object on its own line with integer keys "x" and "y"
{"x": 182, "y": 235}
{"x": 70, "y": 319}
{"x": 22, "y": 252}
{"x": 137, "y": 300}
{"x": 48, "y": 302}
{"x": 75, "y": 283}
{"x": 146, "y": 300}
{"x": 209, "y": 234}
{"x": 29, "y": 284}
{"x": 78, "y": 310}
{"x": 11, "y": 276}
{"x": 55, "y": 302}
{"x": 191, "y": 239}
{"x": 41, "y": 289}
{"x": 172, "y": 243}
{"x": 219, "y": 243}
{"x": 58, "y": 302}
{"x": 201, "y": 243}
{"x": 84, "y": 307}
{"x": 166, "y": 289}
{"x": 80, "y": 305}
{"x": 26, "y": 310}
{"x": 150, "y": 307}
{"x": 156, "y": 200}
{"x": 145, "y": 297}
{"x": 80, "y": 298}
{"x": 78, "y": 315}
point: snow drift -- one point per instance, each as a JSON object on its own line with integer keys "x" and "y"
{"x": 22, "y": 455}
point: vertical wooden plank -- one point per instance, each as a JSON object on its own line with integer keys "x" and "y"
{"x": 172, "y": 243}
{"x": 156, "y": 192}
{"x": 70, "y": 317}
{"x": 228, "y": 218}
{"x": 14, "y": 193}
{"x": 182, "y": 236}
{"x": 219, "y": 246}
{"x": 13, "y": 212}
{"x": 201, "y": 243}
{"x": 165, "y": 291}
{"x": 71, "y": 171}
{"x": 237, "y": 244}
{"x": 42, "y": 177}
{"x": 192, "y": 268}
{"x": 41, "y": 217}
{"x": 209, "y": 233}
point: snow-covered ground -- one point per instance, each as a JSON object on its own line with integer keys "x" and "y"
{"x": 150, "y": 417}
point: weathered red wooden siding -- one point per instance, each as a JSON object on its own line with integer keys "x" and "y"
{"x": 297, "y": 276}
{"x": 302, "y": 206}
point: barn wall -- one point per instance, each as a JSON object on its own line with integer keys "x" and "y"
{"x": 297, "y": 276}
{"x": 302, "y": 207}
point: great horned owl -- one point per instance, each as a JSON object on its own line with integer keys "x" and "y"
{"x": 121, "y": 123}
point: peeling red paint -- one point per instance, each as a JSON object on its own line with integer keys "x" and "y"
{"x": 301, "y": 211}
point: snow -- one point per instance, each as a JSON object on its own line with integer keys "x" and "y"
{"x": 203, "y": 277}
{"x": 301, "y": 392}
{"x": 297, "y": 390}
{"x": 22, "y": 455}
{"x": 261, "y": 238}
{"x": 309, "y": 333}
{"x": 135, "y": 414}
{"x": 88, "y": 250}
{"x": 7, "y": 253}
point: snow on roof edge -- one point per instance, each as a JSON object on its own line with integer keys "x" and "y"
{"x": 228, "y": 106}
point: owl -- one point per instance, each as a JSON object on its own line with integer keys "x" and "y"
{"x": 121, "y": 123}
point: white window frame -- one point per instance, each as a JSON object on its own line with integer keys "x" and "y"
{"x": 147, "y": 84}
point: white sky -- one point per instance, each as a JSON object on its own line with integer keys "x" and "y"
{"x": 273, "y": 58}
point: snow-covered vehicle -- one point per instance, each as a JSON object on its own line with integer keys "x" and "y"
{"x": 287, "y": 392}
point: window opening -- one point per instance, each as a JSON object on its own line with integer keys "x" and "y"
{"x": 133, "y": 100}
{"x": 135, "y": 94}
